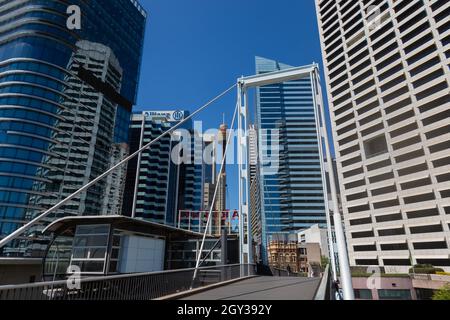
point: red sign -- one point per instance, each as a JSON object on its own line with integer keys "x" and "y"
{"x": 205, "y": 214}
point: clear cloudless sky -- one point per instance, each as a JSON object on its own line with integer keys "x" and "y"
{"x": 195, "y": 49}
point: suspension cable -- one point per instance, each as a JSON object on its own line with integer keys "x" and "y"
{"x": 199, "y": 255}
{"x": 22, "y": 229}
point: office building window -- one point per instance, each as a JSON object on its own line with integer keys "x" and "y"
{"x": 89, "y": 248}
{"x": 376, "y": 146}
{"x": 363, "y": 294}
{"x": 395, "y": 294}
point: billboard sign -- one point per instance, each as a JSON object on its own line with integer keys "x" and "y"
{"x": 170, "y": 116}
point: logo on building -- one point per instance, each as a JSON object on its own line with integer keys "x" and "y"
{"x": 170, "y": 116}
{"x": 178, "y": 115}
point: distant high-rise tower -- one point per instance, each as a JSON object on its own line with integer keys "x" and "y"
{"x": 292, "y": 197}
{"x": 388, "y": 78}
{"x": 221, "y": 202}
{"x": 158, "y": 184}
{"x": 253, "y": 151}
{"x": 210, "y": 174}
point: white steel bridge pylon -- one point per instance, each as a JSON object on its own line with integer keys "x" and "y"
{"x": 291, "y": 74}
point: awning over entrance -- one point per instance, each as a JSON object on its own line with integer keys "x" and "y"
{"x": 67, "y": 225}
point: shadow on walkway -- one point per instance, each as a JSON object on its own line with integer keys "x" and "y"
{"x": 263, "y": 288}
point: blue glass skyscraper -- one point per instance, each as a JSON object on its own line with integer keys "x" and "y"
{"x": 65, "y": 102}
{"x": 291, "y": 192}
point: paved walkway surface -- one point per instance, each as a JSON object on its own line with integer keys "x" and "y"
{"x": 263, "y": 288}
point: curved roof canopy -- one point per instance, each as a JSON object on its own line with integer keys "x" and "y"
{"x": 67, "y": 225}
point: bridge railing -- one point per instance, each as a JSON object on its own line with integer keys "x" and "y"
{"x": 196, "y": 221}
{"x": 276, "y": 272}
{"x": 143, "y": 286}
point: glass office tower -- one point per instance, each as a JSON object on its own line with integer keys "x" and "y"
{"x": 65, "y": 103}
{"x": 158, "y": 182}
{"x": 292, "y": 196}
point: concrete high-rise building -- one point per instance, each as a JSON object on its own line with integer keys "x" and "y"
{"x": 255, "y": 193}
{"x": 148, "y": 184}
{"x": 253, "y": 151}
{"x": 291, "y": 189}
{"x": 66, "y": 97}
{"x": 255, "y": 216}
{"x": 216, "y": 144}
{"x": 85, "y": 161}
{"x": 153, "y": 177}
{"x": 115, "y": 182}
{"x": 387, "y": 75}
{"x": 210, "y": 174}
{"x": 191, "y": 181}
{"x": 159, "y": 183}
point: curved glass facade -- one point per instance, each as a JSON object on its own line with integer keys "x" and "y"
{"x": 65, "y": 103}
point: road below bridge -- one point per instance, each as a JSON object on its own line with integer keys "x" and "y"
{"x": 263, "y": 288}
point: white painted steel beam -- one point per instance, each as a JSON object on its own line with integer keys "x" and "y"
{"x": 276, "y": 77}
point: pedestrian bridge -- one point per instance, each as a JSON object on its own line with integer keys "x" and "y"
{"x": 229, "y": 282}
{"x": 263, "y": 288}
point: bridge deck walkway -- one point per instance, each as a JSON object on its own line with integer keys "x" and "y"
{"x": 263, "y": 288}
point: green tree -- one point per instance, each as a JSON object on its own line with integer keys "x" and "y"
{"x": 443, "y": 293}
{"x": 324, "y": 261}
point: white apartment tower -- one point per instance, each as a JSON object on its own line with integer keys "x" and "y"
{"x": 388, "y": 82}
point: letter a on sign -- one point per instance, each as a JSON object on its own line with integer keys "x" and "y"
{"x": 74, "y": 20}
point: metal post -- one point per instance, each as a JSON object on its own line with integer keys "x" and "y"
{"x": 224, "y": 252}
{"x": 230, "y": 217}
{"x": 241, "y": 199}
{"x": 245, "y": 238}
{"x": 247, "y": 182}
{"x": 224, "y": 247}
{"x": 55, "y": 271}
{"x": 320, "y": 136}
{"x": 344, "y": 266}
{"x": 220, "y": 223}
{"x": 189, "y": 221}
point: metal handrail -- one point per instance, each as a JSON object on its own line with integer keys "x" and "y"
{"x": 113, "y": 277}
{"x": 321, "y": 293}
{"x": 140, "y": 286}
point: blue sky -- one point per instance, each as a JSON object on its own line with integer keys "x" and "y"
{"x": 195, "y": 49}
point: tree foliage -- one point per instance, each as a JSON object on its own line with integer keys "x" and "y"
{"x": 442, "y": 294}
{"x": 425, "y": 269}
{"x": 324, "y": 261}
